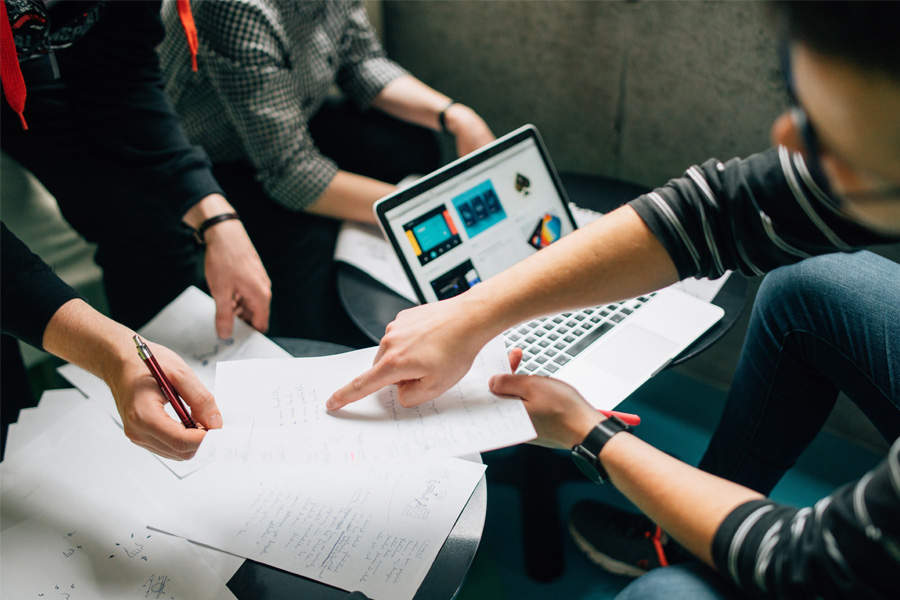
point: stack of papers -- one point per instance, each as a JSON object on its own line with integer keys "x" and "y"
{"x": 360, "y": 499}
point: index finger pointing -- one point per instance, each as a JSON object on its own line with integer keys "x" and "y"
{"x": 368, "y": 383}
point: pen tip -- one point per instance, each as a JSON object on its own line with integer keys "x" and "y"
{"x": 137, "y": 340}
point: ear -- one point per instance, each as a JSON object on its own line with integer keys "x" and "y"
{"x": 785, "y": 133}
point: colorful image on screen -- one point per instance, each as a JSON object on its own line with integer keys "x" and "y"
{"x": 456, "y": 281}
{"x": 479, "y": 208}
{"x": 547, "y": 231}
{"x": 432, "y": 234}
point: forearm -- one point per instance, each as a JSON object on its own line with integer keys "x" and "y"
{"x": 82, "y": 336}
{"x": 689, "y": 504}
{"x": 614, "y": 258}
{"x": 410, "y": 100}
{"x": 350, "y": 196}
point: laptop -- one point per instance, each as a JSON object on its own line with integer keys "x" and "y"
{"x": 486, "y": 211}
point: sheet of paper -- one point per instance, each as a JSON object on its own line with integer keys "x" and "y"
{"x": 53, "y": 408}
{"x": 86, "y": 451}
{"x": 365, "y": 247}
{"x": 702, "y": 287}
{"x": 377, "y": 530}
{"x": 76, "y": 549}
{"x": 187, "y": 327}
{"x": 276, "y": 412}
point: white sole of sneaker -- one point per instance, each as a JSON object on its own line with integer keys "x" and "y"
{"x": 604, "y": 561}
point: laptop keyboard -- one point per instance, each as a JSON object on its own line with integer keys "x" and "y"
{"x": 550, "y": 342}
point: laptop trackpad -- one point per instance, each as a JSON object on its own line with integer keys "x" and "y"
{"x": 633, "y": 355}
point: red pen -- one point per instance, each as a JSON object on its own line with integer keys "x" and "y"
{"x": 165, "y": 385}
{"x": 627, "y": 418}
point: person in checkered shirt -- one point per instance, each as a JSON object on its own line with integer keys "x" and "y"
{"x": 293, "y": 158}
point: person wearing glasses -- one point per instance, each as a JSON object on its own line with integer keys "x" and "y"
{"x": 831, "y": 185}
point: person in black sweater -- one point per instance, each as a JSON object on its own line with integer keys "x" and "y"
{"x": 832, "y": 184}
{"x": 85, "y": 112}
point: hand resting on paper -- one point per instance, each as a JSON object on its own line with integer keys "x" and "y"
{"x": 561, "y": 417}
{"x": 81, "y": 335}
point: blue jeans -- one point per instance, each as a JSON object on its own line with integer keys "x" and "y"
{"x": 821, "y": 326}
{"x": 681, "y": 582}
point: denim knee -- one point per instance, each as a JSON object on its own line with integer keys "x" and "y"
{"x": 681, "y": 582}
{"x": 849, "y": 280}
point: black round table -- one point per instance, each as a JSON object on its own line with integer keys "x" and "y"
{"x": 535, "y": 471}
{"x": 256, "y": 581}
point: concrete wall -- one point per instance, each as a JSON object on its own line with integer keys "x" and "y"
{"x": 635, "y": 90}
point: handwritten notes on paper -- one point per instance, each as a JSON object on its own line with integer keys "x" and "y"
{"x": 60, "y": 465}
{"x": 276, "y": 414}
{"x": 377, "y": 530}
{"x": 75, "y": 548}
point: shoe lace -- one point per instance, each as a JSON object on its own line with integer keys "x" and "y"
{"x": 655, "y": 538}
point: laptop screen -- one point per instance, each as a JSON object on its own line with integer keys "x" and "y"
{"x": 477, "y": 216}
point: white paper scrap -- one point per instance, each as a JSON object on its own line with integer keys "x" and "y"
{"x": 365, "y": 247}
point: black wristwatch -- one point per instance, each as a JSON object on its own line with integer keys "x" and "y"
{"x": 586, "y": 454}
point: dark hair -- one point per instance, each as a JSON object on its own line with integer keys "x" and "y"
{"x": 864, "y": 33}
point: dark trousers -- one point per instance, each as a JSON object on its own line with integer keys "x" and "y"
{"x": 147, "y": 255}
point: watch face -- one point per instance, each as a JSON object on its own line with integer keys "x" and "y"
{"x": 586, "y": 465}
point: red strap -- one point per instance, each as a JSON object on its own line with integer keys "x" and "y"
{"x": 658, "y": 546}
{"x": 10, "y": 73}
{"x": 190, "y": 29}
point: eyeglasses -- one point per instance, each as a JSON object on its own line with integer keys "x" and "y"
{"x": 801, "y": 120}
{"x": 812, "y": 146}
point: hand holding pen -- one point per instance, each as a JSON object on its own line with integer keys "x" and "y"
{"x": 143, "y": 383}
{"x": 165, "y": 385}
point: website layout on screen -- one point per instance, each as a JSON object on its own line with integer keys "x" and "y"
{"x": 474, "y": 225}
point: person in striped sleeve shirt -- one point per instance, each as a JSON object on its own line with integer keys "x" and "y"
{"x": 831, "y": 184}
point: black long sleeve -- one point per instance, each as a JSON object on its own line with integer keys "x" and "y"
{"x": 30, "y": 292}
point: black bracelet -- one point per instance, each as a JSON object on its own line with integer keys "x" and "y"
{"x": 442, "y": 117}
{"x": 201, "y": 231}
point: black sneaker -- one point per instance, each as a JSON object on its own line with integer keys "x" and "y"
{"x": 622, "y": 542}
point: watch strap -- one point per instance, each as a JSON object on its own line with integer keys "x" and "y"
{"x": 587, "y": 454}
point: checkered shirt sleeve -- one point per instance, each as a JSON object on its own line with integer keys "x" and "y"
{"x": 265, "y": 67}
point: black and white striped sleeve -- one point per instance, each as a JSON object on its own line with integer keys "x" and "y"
{"x": 750, "y": 215}
{"x": 846, "y": 546}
